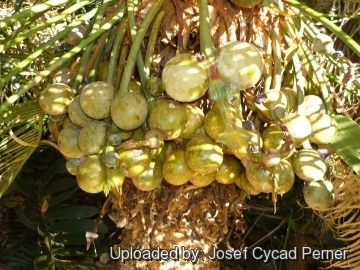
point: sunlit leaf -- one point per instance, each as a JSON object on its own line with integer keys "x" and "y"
{"x": 346, "y": 144}
{"x": 20, "y": 132}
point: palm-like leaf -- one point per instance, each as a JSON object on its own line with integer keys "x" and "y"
{"x": 20, "y": 134}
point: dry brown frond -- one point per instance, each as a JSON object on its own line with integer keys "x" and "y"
{"x": 344, "y": 218}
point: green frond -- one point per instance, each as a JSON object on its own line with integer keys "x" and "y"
{"x": 21, "y": 130}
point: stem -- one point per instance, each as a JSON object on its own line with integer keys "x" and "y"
{"x": 95, "y": 58}
{"x": 95, "y": 67}
{"x": 86, "y": 55}
{"x": 110, "y": 43}
{"x": 268, "y": 65}
{"x": 95, "y": 25}
{"x": 217, "y": 86}
{"x": 79, "y": 76}
{"x": 132, "y": 24}
{"x": 144, "y": 75}
{"x": 328, "y": 24}
{"x": 75, "y": 50}
{"x": 207, "y": 47}
{"x": 300, "y": 79}
{"x": 152, "y": 41}
{"x": 125, "y": 81}
{"x": 276, "y": 75}
{"x": 180, "y": 21}
{"x": 122, "y": 63}
{"x": 115, "y": 53}
{"x": 233, "y": 136}
{"x": 139, "y": 58}
{"x": 290, "y": 38}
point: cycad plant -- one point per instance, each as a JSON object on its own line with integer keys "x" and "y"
{"x": 295, "y": 51}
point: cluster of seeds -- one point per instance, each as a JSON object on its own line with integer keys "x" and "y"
{"x": 108, "y": 136}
